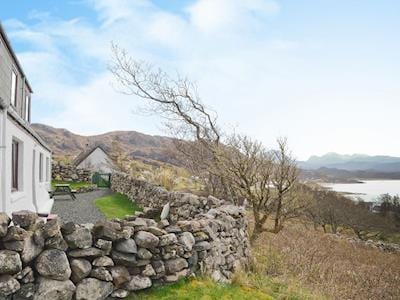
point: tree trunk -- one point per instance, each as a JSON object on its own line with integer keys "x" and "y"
{"x": 278, "y": 213}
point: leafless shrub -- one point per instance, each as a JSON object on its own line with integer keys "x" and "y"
{"x": 336, "y": 267}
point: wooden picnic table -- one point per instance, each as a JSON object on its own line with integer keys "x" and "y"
{"x": 63, "y": 189}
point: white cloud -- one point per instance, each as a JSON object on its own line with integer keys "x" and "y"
{"x": 216, "y": 15}
{"x": 223, "y": 45}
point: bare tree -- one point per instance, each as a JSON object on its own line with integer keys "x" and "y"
{"x": 174, "y": 99}
{"x": 284, "y": 179}
{"x": 235, "y": 166}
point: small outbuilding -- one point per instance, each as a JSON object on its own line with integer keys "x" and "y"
{"x": 95, "y": 159}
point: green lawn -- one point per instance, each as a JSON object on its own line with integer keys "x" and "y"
{"x": 73, "y": 185}
{"x": 204, "y": 289}
{"x": 116, "y": 206}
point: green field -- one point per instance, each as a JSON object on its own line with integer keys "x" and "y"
{"x": 116, "y": 206}
{"x": 206, "y": 289}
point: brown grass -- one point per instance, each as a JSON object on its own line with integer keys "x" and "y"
{"x": 328, "y": 265}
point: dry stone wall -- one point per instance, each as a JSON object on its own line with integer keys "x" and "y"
{"x": 183, "y": 206}
{"x": 112, "y": 258}
{"x": 68, "y": 172}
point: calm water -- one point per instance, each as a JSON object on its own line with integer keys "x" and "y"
{"x": 369, "y": 190}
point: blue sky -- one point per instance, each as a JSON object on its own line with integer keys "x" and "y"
{"x": 323, "y": 73}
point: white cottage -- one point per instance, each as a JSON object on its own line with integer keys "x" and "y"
{"x": 25, "y": 160}
{"x": 95, "y": 159}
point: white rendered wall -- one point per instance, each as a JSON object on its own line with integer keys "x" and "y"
{"x": 32, "y": 194}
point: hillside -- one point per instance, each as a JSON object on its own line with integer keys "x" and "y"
{"x": 133, "y": 144}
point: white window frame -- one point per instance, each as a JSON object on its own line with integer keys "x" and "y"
{"x": 17, "y": 166}
{"x": 27, "y": 115}
{"x": 47, "y": 169}
{"x": 14, "y": 87}
{"x": 41, "y": 161}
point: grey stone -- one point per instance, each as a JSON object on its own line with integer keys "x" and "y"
{"x": 29, "y": 278}
{"x": 26, "y": 292}
{"x": 178, "y": 275}
{"x": 142, "y": 262}
{"x": 80, "y": 268}
{"x": 158, "y": 266}
{"x": 68, "y": 228}
{"x": 124, "y": 259}
{"x": 101, "y": 273}
{"x": 202, "y": 246}
{"x": 137, "y": 222}
{"x": 26, "y": 275}
{"x": 108, "y": 230}
{"x": 56, "y": 242}
{"x": 53, "y": 264}
{"x": 120, "y": 294}
{"x": 165, "y": 211}
{"x": 51, "y": 228}
{"x": 38, "y": 237}
{"x": 163, "y": 223}
{"x": 24, "y": 218}
{"x": 175, "y": 265}
{"x": 149, "y": 271}
{"x": 89, "y": 253}
{"x": 81, "y": 238}
{"x": 187, "y": 240}
{"x": 173, "y": 229}
{"x": 4, "y": 222}
{"x": 23, "y": 273}
{"x": 103, "y": 261}
{"x": 14, "y": 245}
{"x": 54, "y": 289}
{"x": 144, "y": 254}
{"x": 168, "y": 239}
{"x": 193, "y": 262}
{"x": 31, "y": 249}
{"x": 120, "y": 275}
{"x": 127, "y": 232}
{"x": 10, "y": 262}
{"x": 126, "y": 246}
{"x": 156, "y": 231}
{"x": 15, "y": 234}
{"x": 8, "y": 285}
{"x": 104, "y": 245}
{"x": 93, "y": 289}
{"x": 146, "y": 239}
{"x": 191, "y": 226}
{"x": 200, "y": 236}
{"x": 137, "y": 283}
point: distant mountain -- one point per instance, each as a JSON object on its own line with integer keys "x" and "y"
{"x": 133, "y": 144}
{"x": 355, "y": 162}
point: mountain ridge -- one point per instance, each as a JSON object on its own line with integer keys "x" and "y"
{"x": 352, "y": 162}
{"x": 134, "y": 144}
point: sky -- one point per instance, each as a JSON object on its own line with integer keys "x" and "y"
{"x": 324, "y": 74}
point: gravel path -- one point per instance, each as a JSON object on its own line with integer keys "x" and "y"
{"x": 80, "y": 211}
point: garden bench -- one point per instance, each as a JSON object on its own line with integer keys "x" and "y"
{"x": 63, "y": 189}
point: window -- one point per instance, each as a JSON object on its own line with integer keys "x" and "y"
{"x": 15, "y": 165}
{"x": 27, "y": 108}
{"x": 41, "y": 167}
{"x": 47, "y": 169}
{"x": 13, "y": 88}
